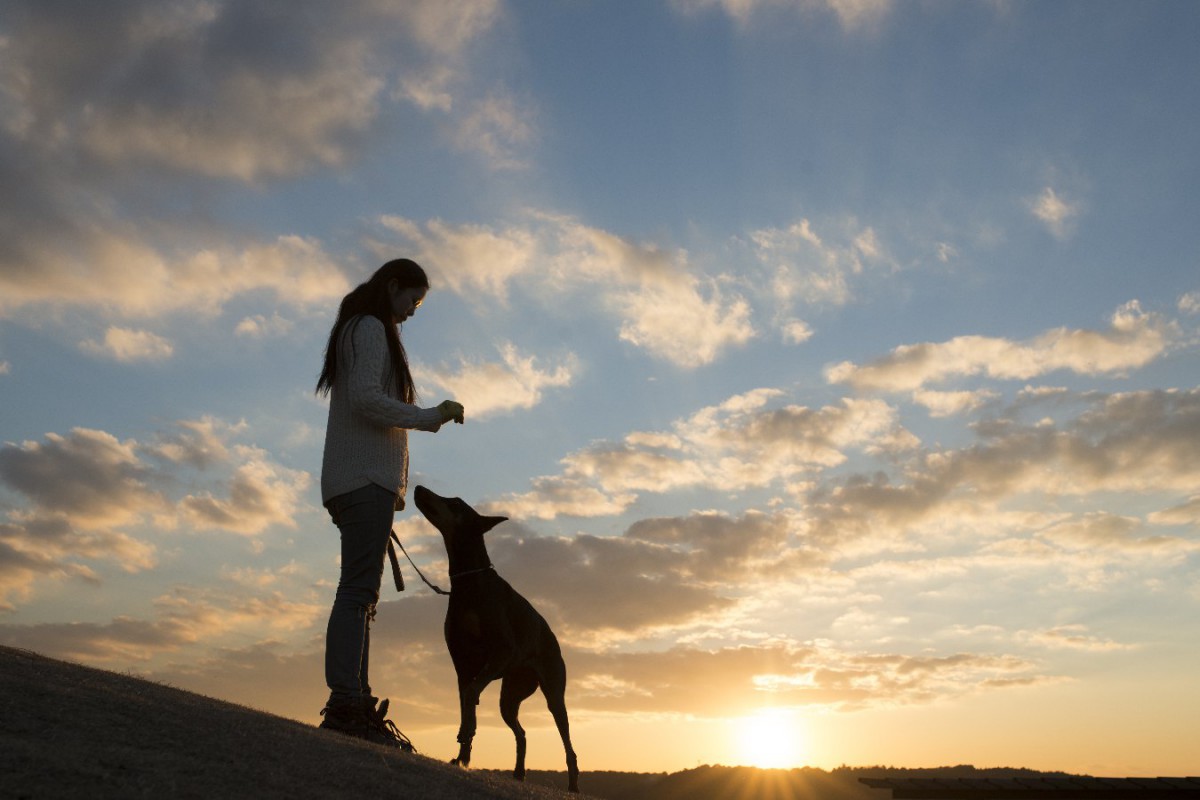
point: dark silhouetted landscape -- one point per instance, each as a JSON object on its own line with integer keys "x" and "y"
{"x": 73, "y": 731}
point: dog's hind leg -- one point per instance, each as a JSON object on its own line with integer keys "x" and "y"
{"x": 516, "y": 686}
{"x": 554, "y": 687}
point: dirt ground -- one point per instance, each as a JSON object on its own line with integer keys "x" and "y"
{"x": 68, "y": 731}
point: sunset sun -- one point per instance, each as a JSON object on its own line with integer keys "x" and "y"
{"x": 770, "y": 738}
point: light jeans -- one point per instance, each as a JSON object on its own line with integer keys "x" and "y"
{"x": 364, "y": 517}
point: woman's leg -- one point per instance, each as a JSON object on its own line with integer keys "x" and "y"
{"x": 364, "y": 518}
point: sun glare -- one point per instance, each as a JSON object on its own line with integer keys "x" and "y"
{"x": 772, "y": 738}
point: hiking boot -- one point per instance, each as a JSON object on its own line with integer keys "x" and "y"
{"x": 346, "y": 718}
{"x": 361, "y": 719}
{"x": 383, "y": 730}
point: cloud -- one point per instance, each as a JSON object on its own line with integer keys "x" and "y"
{"x": 468, "y": 259}
{"x": 853, "y": 15}
{"x": 183, "y": 618}
{"x": 1101, "y": 531}
{"x": 233, "y": 90}
{"x": 101, "y": 483}
{"x": 719, "y": 548}
{"x": 115, "y": 271}
{"x": 1053, "y": 211}
{"x": 1140, "y": 442}
{"x": 124, "y": 344}
{"x": 1134, "y": 339}
{"x": 1187, "y": 513}
{"x": 193, "y": 86}
{"x": 947, "y": 404}
{"x": 200, "y": 443}
{"x": 661, "y": 304}
{"x": 796, "y": 331}
{"x": 259, "y": 326}
{"x": 785, "y": 674}
{"x": 34, "y": 549}
{"x": 495, "y": 388}
{"x": 95, "y": 478}
{"x": 1190, "y": 303}
{"x": 747, "y": 441}
{"x": 805, "y": 268}
{"x": 554, "y": 496}
{"x": 88, "y": 496}
{"x": 809, "y": 270}
{"x": 1073, "y": 637}
{"x": 260, "y": 494}
{"x": 498, "y": 127}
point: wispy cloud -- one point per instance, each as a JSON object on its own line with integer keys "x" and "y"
{"x": 660, "y": 302}
{"x": 102, "y": 483}
{"x": 1074, "y": 637}
{"x": 120, "y": 274}
{"x": 516, "y": 382}
{"x": 1134, "y": 338}
{"x": 807, "y": 269}
{"x": 1055, "y": 212}
{"x": 1135, "y": 443}
{"x": 260, "y": 493}
{"x": 750, "y": 440}
{"x": 499, "y": 127}
{"x": 946, "y": 404}
{"x": 124, "y": 344}
{"x": 1190, "y": 303}
{"x": 853, "y": 15}
{"x": 181, "y": 618}
{"x": 261, "y": 326}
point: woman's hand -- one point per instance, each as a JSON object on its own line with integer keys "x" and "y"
{"x": 451, "y": 410}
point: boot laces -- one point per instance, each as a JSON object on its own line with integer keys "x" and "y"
{"x": 378, "y": 720}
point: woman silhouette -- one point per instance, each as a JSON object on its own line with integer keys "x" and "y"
{"x": 364, "y": 475}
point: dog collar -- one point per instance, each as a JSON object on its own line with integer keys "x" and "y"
{"x": 471, "y": 572}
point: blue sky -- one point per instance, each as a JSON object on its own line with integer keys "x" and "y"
{"x": 835, "y": 360}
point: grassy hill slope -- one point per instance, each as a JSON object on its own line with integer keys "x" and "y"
{"x": 68, "y": 731}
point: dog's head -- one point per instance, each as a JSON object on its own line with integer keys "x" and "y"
{"x": 460, "y": 525}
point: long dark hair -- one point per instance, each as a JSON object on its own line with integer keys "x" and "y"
{"x": 372, "y": 298}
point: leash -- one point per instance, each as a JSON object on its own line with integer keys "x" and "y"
{"x": 396, "y": 576}
{"x": 399, "y": 579}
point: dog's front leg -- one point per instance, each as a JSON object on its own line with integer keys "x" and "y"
{"x": 466, "y": 728}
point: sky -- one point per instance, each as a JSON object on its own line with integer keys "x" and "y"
{"x": 837, "y": 362}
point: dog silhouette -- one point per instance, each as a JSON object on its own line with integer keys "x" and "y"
{"x": 493, "y": 633}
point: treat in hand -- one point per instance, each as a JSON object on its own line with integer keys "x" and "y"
{"x": 451, "y": 410}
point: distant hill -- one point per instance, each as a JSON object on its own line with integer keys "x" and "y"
{"x": 748, "y": 783}
{"x": 68, "y": 731}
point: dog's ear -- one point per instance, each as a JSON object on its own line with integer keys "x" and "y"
{"x": 487, "y": 523}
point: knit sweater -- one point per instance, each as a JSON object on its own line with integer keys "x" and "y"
{"x": 366, "y": 439}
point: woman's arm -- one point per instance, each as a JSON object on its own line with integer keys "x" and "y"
{"x": 365, "y": 363}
